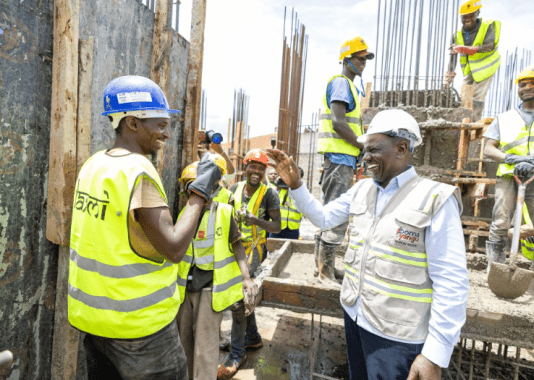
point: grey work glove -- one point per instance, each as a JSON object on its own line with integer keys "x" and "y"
{"x": 523, "y": 169}
{"x": 515, "y": 159}
{"x": 208, "y": 175}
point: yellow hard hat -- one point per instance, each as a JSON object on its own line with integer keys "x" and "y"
{"x": 220, "y": 161}
{"x": 470, "y": 6}
{"x": 357, "y": 44}
{"x": 527, "y": 73}
{"x": 189, "y": 173}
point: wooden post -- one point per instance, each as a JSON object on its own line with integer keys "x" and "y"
{"x": 467, "y": 96}
{"x": 364, "y": 102}
{"x": 160, "y": 60}
{"x": 85, "y": 86}
{"x": 63, "y": 121}
{"x": 194, "y": 82}
{"x": 62, "y": 175}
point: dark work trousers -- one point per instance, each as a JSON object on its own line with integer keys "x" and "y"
{"x": 374, "y": 358}
{"x": 159, "y": 356}
{"x": 336, "y": 179}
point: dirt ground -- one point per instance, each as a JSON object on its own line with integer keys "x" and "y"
{"x": 287, "y": 341}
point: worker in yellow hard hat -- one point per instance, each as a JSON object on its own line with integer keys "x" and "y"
{"x": 212, "y": 276}
{"x": 338, "y": 133}
{"x": 477, "y": 43}
{"x": 229, "y": 175}
{"x": 509, "y": 142}
{"x": 257, "y": 209}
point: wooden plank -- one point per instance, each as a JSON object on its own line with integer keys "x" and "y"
{"x": 322, "y": 299}
{"x": 300, "y": 246}
{"x": 160, "y": 67}
{"x": 364, "y": 100}
{"x": 476, "y": 233}
{"x": 467, "y": 96}
{"x": 66, "y": 338}
{"x": 194, "y": 82}
{"x": 462, "y": 148}
{"x": 63, "y": 121}
{"x": 85, "y": 87}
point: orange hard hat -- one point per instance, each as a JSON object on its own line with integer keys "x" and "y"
{"x": 257, "y": 155}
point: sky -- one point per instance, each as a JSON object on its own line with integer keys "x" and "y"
{"x": 243, "y": 49}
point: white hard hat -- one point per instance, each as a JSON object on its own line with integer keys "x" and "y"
{"x": 394, "y": 122}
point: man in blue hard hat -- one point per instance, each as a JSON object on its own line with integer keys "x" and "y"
{"x": 124, "y": 247}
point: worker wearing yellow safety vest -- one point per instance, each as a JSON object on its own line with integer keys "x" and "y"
{"x": 406, "y": 283}
{"x": 510, "y": 141}
{"x": 212, "y": 276}
{"x": 124, "y": 248}
{"x": 291, "y": 216}
{"x": 258, "y": 212}
{"x": 338, "y": 140}
{"x": 477, "y": 43}
{"x": 526, "y": 234}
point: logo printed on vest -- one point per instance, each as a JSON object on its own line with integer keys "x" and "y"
{"x": 410, "y": 236}
{"x": 91, "y": 205}
{"x": 201, "y": 234}
{"x": 219, "y": 232}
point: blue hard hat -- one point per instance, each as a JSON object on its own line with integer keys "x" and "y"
{"x": 134, "y": 93}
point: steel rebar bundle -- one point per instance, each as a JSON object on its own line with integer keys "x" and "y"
{"x": 502, "y": 95}
{"x": 412, "y": 52}
{"x": 239, "y": 130}
{"x": 292, "y": 85}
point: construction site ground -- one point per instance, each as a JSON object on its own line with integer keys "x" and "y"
{"x": 287, "y": 335}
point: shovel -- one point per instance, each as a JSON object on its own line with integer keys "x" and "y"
{"x": 509, "y": 281}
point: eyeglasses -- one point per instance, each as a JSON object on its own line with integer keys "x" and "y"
{"x": 362, "y": 58}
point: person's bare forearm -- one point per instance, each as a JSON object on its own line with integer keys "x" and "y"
{"x": 229, "y": 165}
{"x": 486, "y": 48}
{"x": 241, "y": 258}
{"x": 170, "y": 240}
{"x": 347, "y": 134}
{"x": 492, "y": 152}
{"x": 272, "y": 226}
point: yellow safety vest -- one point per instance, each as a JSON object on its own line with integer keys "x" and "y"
{"x": 481, "y": 65}
{"x": 114, "y": 292}
{"x": 329, "y": 140}
{"x": 290, "y": 215}
{"x": 527, "y": 248}
{"x": 212, "y": 251}
{"x": 515, "y": 137}
{"x": 251, "y": 234}
{"x": 222, "y": 196}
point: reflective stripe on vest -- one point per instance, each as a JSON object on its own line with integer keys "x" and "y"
{"x": 514, "y": 135}
{"x": 112, "y": 291}
{"x": 250, "y": 234}
{"x": 386, "y": 263}
{"x": 290, "y": 215}
{"x": 227, "y": 286}
{"x": 329, "y": 140}
{"x": 481, "y": 65}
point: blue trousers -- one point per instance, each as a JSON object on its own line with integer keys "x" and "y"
{"x": 374, "y": 358}
{"x": 286, "y": 233}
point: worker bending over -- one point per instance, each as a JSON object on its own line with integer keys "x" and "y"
{"x": 338, "y": 140}
{"x": 258, "y": 212}
{"x": 510, "y": 142}
{"x": 405, "y": 288}
{"x": 123, "y": 290}
{"x": 212, "y": 276}
{"x": 477, "y": 43}
{"x": 290, "y": 214}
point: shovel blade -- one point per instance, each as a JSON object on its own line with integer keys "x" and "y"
{"x": 508, "y": 283}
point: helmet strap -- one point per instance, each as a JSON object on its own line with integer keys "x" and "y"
{"x": 362, "y": 93}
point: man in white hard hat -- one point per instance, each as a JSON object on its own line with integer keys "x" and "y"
{"x": 404, "y": 292}
{"x": 477, "y": 43}
{"x": 509, "y": 142}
